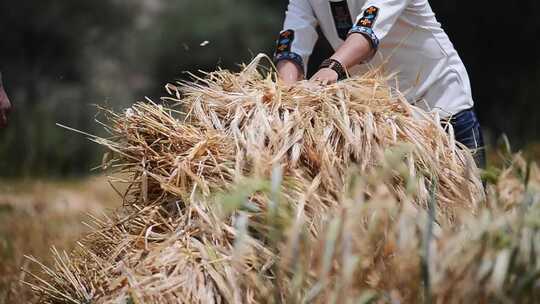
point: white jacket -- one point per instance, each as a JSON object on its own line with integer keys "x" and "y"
{"x": 408, "y": 38}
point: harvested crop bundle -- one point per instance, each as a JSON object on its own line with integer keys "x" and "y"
{"x": 247, "y": 191}
{"x": 245, "y": 124}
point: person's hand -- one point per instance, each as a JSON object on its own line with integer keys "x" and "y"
{"x": 289, "y": 72}
{"x": 325, "y": 76}
{"x": 5, "y": 106}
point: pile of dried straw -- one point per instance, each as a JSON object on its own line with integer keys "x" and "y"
{"x": 259, "y": 192}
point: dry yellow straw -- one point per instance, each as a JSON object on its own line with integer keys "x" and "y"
{"x": 250, "y": 191}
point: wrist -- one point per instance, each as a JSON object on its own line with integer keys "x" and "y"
{"x": 335, "y": 66}
{"x": 289, "y": 71}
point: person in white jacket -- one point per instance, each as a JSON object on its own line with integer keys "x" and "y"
{"x": 403, "y": 36}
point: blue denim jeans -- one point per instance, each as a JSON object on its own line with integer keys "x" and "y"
{"x": 468, "y": 132}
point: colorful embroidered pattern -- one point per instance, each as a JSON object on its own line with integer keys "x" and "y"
{"x": 297, "y": 59}
{"x": 368, "y": 33}
{"x": 369, "y": 17}
{"x": 365, "y": 24}
{"x": 284, "y": 41}
{"x": 283, "y": 49}
{"x": 342, "y": 17}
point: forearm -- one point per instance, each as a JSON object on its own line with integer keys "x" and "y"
{"x": 296, "y": 41}
{"x": 354, "y": 51}
{"x": 378, "y": 17}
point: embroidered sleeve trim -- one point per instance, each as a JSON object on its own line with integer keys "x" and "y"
{"x": 292, "y": 56}
{"x": 283, "y": 49}
{"x": 284, "y": 41}
{"x": 368, "y": 33}
{"x": 365, "y": 24}
{"x": 368, "y": 17}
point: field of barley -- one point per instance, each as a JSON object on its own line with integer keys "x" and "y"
{"x": 36, "y": 215}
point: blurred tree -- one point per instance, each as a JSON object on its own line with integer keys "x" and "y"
{"x": 58, "y": 57}
{"x": 235, "y": 30}
{"x": 47, "y": 59}
{"x": 63, "y": 56}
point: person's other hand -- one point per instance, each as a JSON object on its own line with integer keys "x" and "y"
{"x": 325, "y": 76}
{"x": 5, "y": 106}
{"x": 289, "y": 72}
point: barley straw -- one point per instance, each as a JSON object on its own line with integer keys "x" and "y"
{"x": 245, "y": 190}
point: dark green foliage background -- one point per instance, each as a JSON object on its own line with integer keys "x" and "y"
{"x": 59, "y": 57}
